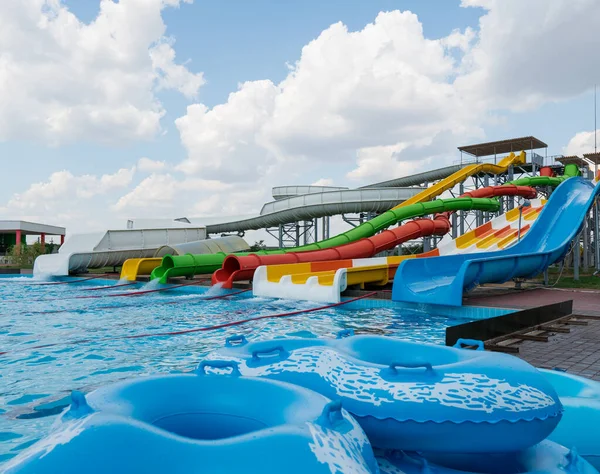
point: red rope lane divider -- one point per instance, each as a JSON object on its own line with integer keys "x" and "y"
{"x": 210, "y": 298}
{"x": 133, "y": 293}
{"x": 98, "y": 288}
{"x": 142, "y": 292}
{"x": 72, "y": 281}
{"x": 206, "y": 328}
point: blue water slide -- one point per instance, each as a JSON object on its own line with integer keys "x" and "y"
{"x": 442, "y": 280}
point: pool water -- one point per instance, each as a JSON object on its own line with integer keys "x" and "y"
{"x": 85, "y": 344}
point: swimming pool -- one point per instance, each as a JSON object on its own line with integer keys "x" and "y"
{"x": 87, "y": 345}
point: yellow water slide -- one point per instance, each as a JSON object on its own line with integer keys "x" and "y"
{"x": 138, "y": 266}
{"x": 461, "y": 175}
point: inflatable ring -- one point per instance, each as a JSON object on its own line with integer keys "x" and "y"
{"x": 198, "y": 423}
{"x": 414, "y": 396}
{"x": 580, "y": 423}
{"x": 546, "y": 457}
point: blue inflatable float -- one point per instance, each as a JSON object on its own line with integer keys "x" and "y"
{"x": 580, "y": 423}
{"x": 414, "y": 396}
{"x": 546, "y": 457}
{"x": 200, "y": 423}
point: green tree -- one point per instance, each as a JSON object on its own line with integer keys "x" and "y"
{"x": 27, "y": 254}
{"x": 260, "y": 245}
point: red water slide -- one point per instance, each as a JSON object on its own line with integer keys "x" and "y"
{"x": 237, "y": 268}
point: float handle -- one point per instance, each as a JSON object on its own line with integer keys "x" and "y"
{"x": 266, "y": 352}
{"x": 79, "y": 405}
{"x": 344, "y": 333}
{"x": 237, "y": 340}
{"x": 469, "y": 342}
{"x": 332, "y": 414}
{"x": 407, "y": 365}
{"x": 218, "y": 364}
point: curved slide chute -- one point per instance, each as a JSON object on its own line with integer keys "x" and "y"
{"x": 143, "y": 266}
{"x": 461, "y": 175}
{"x": 325, "y": 281}
{"x": 444, "y": 279}
{"x": 241, "y": 268}
{"x": 189, "y": 265}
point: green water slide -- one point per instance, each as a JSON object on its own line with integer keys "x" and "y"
{"x": 189, "y": 265}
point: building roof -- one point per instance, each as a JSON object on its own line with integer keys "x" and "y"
{"x": 31, "y": 228}
{"x": 503, "y": 146}
{"x": 573, "y": 159}
{"x": 593, "y": 157}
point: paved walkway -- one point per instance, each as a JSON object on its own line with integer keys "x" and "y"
{"x": 577, "y": 352}
{"x": 586, "y": 302}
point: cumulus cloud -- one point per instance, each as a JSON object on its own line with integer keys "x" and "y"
{"x": 531, "y": 52}
{"x": 223, "y": 142}
{"x": 147, "y": 165}
{"x": 166, "y": 192}
{"x": 63, "y": 187}
{"x": 323, "y": 182}
{"x": 79, "y": 202}
{"x": 350, "y": 94}
{"x": 391, "y": 101}
{"x": 357, "y": 106}
{"x": 63, "y": 80}
{"x": 582, "y": 142}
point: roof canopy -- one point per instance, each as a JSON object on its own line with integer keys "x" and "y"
{"x": 503, "y": 146}
{"x": 30, "y": 228}
{"x": 573, "y": 159}
{"x": 593, "y": 157}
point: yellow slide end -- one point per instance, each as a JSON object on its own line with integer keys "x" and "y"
{"x": 138, "y": 266}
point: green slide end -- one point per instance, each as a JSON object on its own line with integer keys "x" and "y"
{"x": 539, "y": 181}
{"x": 572, "y": 170}
{"x": 189, "y": 265}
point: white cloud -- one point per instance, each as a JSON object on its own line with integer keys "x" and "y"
{"x": 531, "y": 52}
{"x": 223, "y": 142}
{"x": 357, "y": 106}
{"x": 171, "y": 75}
{"x": 582, "y": 142}
{"x": 348, "y": 95}
{"x": 63, "y": 80}
{"x": 78, "y": 202}
{"x": 323, "y": 182}
{"x": 64, "y": 188}
{"x": 169, "y": 194}
{"x": 155, "y": 191}
{"x": 147, "y": 165}
{"x": 379, "y": 86}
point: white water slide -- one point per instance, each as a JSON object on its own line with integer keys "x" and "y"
{"x": 112, "y": 248}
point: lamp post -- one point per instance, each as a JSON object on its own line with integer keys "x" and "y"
{"x": 525, "y": 203}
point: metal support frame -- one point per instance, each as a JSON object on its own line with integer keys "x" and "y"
{"x": 454, "y": 220}
{"x": 462, "y": 213}
{"x": 325, "y": 228}
{"x": 597, "y": 233}
{"x": 586, "y": 244}
{"x": 510, "y": 202}
{"x": 297, "y": 233}
{"x": 576, "y": 258}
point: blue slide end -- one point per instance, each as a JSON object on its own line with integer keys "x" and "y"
{"x": 442, "y": 280}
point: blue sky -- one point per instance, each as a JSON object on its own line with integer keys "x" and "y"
{"x": 222, "y": 44}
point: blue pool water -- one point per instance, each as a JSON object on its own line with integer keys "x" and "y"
{"x": 87, "y": 349}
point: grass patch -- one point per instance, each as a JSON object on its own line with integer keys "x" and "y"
{"x": 586, "y": 280}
